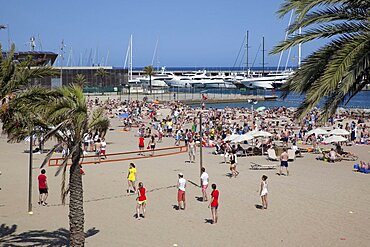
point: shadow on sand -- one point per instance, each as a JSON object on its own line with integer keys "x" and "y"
{"x": 258, "y": 206}
{"x": 60, "y": 237}
{"x": 208, "y": 221}
{"x": 199, "y": 198}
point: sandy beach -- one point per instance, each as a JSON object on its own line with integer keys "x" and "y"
{"x": 319, "y": 204}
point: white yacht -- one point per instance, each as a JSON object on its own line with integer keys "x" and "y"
{"x": 200, "y": 79}
{"x": 180, "y": 81}
{"x": 257, "y": 83}
{"x": 158, "y": 80}
{"x": 270, "y": 81}
{"x": 280, "y": 77}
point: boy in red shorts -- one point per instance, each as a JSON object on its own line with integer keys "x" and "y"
{"x": 43, "y": 188}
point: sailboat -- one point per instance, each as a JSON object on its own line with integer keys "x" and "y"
{"x": 128, "y": 60}
{"x": 273, "y": 79}
{"x": 260, "y": 82}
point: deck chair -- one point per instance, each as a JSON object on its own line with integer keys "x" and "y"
{"x": 291, "y": 155}
{"x": 249, "y": 151}
{"x": 255, "y": 166}
{"x": 271, "y": 154}
{"x": 241, "y": 153}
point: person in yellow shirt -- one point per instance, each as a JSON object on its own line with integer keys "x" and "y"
{"x": 131, "y": 177}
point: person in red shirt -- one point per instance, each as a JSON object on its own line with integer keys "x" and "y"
{"x": 214, "y": 203}
{"x": 141, "y": 144}
{"x": 43, "y": 188}
{"x": 141, "y": 201}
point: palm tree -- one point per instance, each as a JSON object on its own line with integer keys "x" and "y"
{"x": 339, "y": 69}
{"x": 80, "y": 80}
{"x": 15, "y": 76}
{"x": 101, "y": 73}
{"x": 149, "y": 70}
{"x": 65, "y": 114}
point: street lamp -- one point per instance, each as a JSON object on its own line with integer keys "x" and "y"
{"x": 129, "y": 91}
{"x": 30, "y": 175}
{"x": 252, "y": 102}
{"x": 201, "y": 134}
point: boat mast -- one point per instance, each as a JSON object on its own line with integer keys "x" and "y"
{"x": 247, "y": 50}
{"x": 61, "y": 62}
{"x": 155, "y": 52}
{"x": 130, "y": 57}
{"x": 263, "y": 55}
{"x": 106, "y": 58}
{"x": 285, "y": 38}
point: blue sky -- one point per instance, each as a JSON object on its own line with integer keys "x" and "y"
{"x": 189, "y": 33}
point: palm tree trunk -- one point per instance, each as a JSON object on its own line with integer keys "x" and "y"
{"x": 76, "y": 212}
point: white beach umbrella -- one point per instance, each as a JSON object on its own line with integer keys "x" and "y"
{"x": 317, "y": 131}
{"x": 261, "y": 133}
{"x": 242, "y": 138}
{"x": 230, "y": 137}
{"x": 339, "y": 132}
{"x": 335, "y": 138}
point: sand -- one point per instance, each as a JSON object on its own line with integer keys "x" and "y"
{"x": 319, "y": 204}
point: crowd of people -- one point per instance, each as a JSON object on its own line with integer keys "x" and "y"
{"x": 141, "y": 198}
{"x": 182, "y": 124}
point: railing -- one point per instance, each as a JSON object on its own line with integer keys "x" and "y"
{"x": 132, "y": 155}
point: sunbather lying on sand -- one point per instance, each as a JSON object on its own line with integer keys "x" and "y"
{"x": 365, "y": 166}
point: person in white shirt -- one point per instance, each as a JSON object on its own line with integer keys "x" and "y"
{"x": 295, "y": 148}
{"x": 205, "y": 180}
{"x": 103, "y": 148}
{"x": 181, "y": 185}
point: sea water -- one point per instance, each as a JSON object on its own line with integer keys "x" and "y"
{"x": 360, "y": 101}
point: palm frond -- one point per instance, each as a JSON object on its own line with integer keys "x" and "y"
{"x": 99, "y": 121}
{"x": 50, "y": 153}
{"x": 348, "y": 29}
{"x": 330, "y": 15}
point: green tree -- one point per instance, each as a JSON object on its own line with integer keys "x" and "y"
{"x": 149, "y": 71}
{"x": 15, "y": 76}
{"x": 80, "y": 80}
{"x": 101, "y": 73}
{"x": 63, "y": 112}
{"x": 338, "y": 70}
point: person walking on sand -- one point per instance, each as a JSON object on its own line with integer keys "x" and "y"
{"x": 141, "y": 201}
{"x": 141, "y": 145}
{"x": 233, "y": 163}
{"x": 43, "y": 188}
{"x": 264, "y": 192}
{"x": 152, "y": 144}
{"x": 284, "y": 162}
{"x": 98, "y": 150}
{"x": 103, "y": 149}
{"x": 205, "y": 179}
{"x": 131, "y": 177}
{"x": 181, "y": 185}
{"x": 214, "y": 203}
{"x": 191, "y": 150}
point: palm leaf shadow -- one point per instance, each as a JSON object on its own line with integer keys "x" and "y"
{"x": 59, "y": 237}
